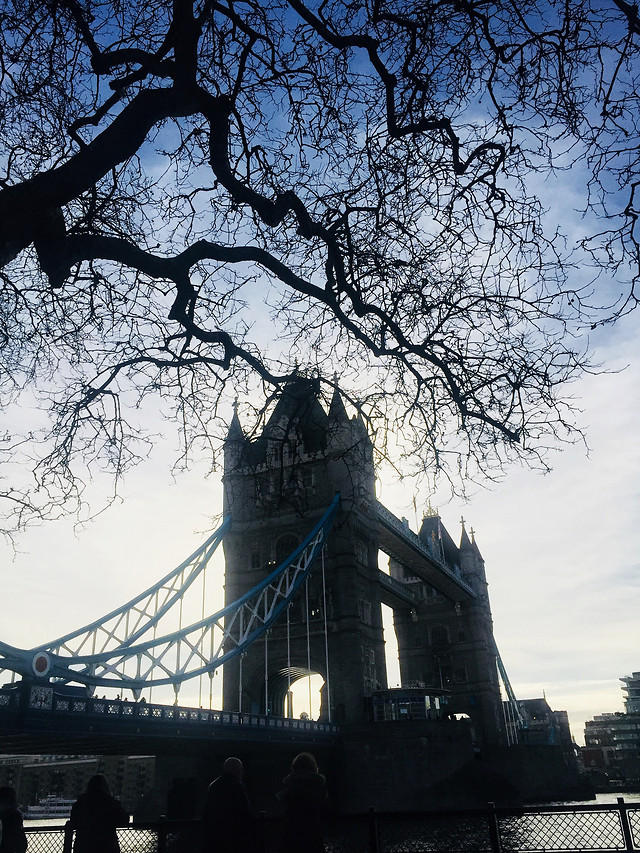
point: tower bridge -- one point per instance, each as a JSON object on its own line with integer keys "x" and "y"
{"x": 303, "y": 595}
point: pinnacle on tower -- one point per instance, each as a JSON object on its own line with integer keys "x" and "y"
{"x": 337, "y": 411}
{"x": 235, "y": 432}
{"x": 474, "y": 545}
{"x": 465, "y": 542}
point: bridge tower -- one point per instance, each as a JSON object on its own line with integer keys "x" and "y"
{"x": 449, "y": 644}
{"x": 276, "y": 487}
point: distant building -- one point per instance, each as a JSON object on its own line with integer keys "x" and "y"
{"x": 34, "y": 777}
{"x": 542, "y": 725}
{"x": 612, "y": 741}
{"x": 632, "y": 689}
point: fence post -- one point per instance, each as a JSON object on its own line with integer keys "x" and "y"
{"x": 374, "y": 839}
{"x": 162, "y": 834}
{"x": 68, "y": 838}
{"x": 262, "y": 833}
{"x": 494, "y": 829}
{"x": 624, "y": 822}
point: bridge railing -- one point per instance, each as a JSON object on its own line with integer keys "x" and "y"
{"x": 122, "y": 710}
{"x": 541, "y": 829}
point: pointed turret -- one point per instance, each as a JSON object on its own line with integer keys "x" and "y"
{"x": 465, "y": 542}
{"x": 474, "y": 545}
{"x": 337, "y": 411}
{"x": 235, "y": 433}
{"x": 361, "y": 429}
{"x": 340, "y": 433}
{"x": 235, "y": 442}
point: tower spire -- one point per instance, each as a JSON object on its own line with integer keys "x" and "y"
{"x": 465, "y": 542}
{"x": 337, "y": 411}
{"x": 235, "y": 432}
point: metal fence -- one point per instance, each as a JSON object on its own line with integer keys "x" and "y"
{"x": 543, "y": 829}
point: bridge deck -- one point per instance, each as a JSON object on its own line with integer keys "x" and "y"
{"x": 401, "y": 543}
{"x": 105, "y": 725}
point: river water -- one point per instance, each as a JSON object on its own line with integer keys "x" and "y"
{"x": 600, "y": 800}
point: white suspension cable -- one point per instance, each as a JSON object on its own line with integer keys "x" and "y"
{"x": 240, "y": 666}
{"x": 266, "y": 664}
{"x": 326, "y": 639}
{"x": 211, "y": 673}
{"x": 204, "y": 580}
{"x": 289, "y": 698}
{"x": 306, "y": 597}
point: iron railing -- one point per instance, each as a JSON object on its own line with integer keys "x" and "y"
{"x": 539, "y": 829}
{"x": 152, "y": 715}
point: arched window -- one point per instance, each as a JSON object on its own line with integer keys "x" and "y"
{"x": 285, "y": 545}
{"x": 439, "y": 636}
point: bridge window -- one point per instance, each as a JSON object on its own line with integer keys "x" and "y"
{"x": 292, "y": 486}
{"x": 369, "y": 672}
{"x": 460, "y": 675}
{"x": 285, "y": 545}
{"x": 362, "y": 552}
{"x": 364, "y": 610}
{"x": 267, "y": 489}
{"x": 446, "y": 674}
{"x": 315, "y": 596}
{"x": 288, "y": 450}
{"x": 439, "y": 636}
{"x": 255, "y": 559}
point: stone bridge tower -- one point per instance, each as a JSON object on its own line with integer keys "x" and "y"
{"x": 276, "y": 487}
{"x": 449, "y": 644}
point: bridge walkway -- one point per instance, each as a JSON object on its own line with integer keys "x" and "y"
{"x": 36, "y": 719}
{"x": 397, "y": 540}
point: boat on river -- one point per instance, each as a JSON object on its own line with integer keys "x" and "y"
{"x": 48, "y": 808}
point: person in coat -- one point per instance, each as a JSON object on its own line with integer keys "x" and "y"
{"x": 227, "y": 820}
{"x": 12, "y": 835}
{"x": 304, "y": 798}
{"x": 95, "y": 816}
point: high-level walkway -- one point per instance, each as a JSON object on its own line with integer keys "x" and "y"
{"x": 397, "y": 540}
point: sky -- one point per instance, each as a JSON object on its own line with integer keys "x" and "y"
{"x": 562, "y": 551}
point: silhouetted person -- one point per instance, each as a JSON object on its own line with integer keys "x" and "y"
{"x": 227, "y": 822}
{"x": 95, "y": 816}
{"x": 303, "y": 796}
{"x": 13, "y": 838}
